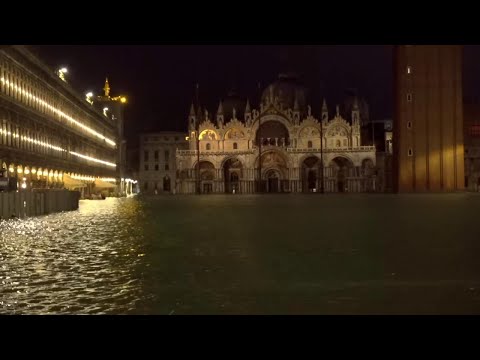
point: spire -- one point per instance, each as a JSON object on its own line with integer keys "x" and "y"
{"x": 338, "y": 111}
{"x": 247, "y": 107}
{"x": 248, "y": 113}
{"x": 199, "y": 112}
{"x": 220, "y": 108}
{"x": 296, "y": 107}
{"x": 355, "y": 103}
{"x": 324, "y": 105}
{"x": 192, "y": 110}
{"x": 324, "y": 111}
{"x": 106, "y": 88}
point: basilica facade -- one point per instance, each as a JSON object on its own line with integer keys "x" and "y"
{"x": 280, "y": 147}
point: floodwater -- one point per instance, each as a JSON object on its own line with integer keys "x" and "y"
{"x": 258, "y": 254}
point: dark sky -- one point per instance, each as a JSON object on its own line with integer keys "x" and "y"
{"x": 159, "y": 80}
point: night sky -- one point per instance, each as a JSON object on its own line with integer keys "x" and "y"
{"x": 159, "y": 80}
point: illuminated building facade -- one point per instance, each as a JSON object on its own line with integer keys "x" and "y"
{"x": 428, "y": 123}
{"x": 48, "y": 131}
{"x": 157, "y": 171}
{"x": 282, "y": 147}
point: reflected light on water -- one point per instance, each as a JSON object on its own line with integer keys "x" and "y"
{"x": 73, "y": 262}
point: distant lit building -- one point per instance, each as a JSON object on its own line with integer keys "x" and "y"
{"x": 380, "y": 133}
{"x": 471, "y": 113}
{"x": 277, "y": 148}
{"x": 157, "y": 170}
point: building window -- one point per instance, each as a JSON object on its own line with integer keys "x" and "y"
{"x": 167, "y": 167}
{"x": 156, "y": 167}
{"x": 145, "y": 186}
{"x": 235, "y": 146}
{"x": 208, "y": 147}
{"x": 409, "y": 69}
{"x": 156, "y": 155}
{"x": 409, "y": 125}
{"x": 409, "y": 97}
{"x": 146, "y": 167}
{"x": 339, "y": 143}
{"x": 310, "y": 145}
{"x": 145, "y": 156}
{"x": 167, "y": 155}
{"x": 410, "y": 152}
{"x": 345, "y": 142}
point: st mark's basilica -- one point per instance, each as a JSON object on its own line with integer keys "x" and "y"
{"x": 279, "y": 147}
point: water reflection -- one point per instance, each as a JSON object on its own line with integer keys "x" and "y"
{"x": 76, "y": 262}
{"x": 246, "y": 255}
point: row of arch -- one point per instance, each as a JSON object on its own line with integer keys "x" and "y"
{"x": 274, "y": 128}
{"x": 32, "y": 172}
{"x": 275, "y": 170}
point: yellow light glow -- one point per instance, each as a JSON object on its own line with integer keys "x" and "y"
{"x": 187, "y": 138}
{"x": 11, "y": 169}
{"x": 27, "y": 171}
{"x": 89, "y": 94}
{"x": 34, "y": 171}
{"x": 123, "y": 99}
{"x": 109, "y": 180}
{"x": 45, "y": 172}
{"x": 57, "y": 148}
{"x": 58, "y": 112}
{"x": 93, "y": 159}
{"x": 63, "y": 70}
{"x": 19, "y": 170}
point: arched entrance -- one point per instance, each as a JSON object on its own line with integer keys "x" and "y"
{"x": 311, "y": 171}
{"x": 166, "y": 184}
{"x": 207, "y": 176}
{"x": 274, "y": 172}
{"x": 232, "y": 169}
{"x": 273, "y": 181}
{"x": 368, "y": 170}
{"x": 342, "y": 169}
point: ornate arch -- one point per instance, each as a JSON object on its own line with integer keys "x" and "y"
{"x": 209, "y": 135}
{"x": 235, "y": 133}
{"x": 287, "y": 161}
{"x": 270, "y": 117}
{"x": 341, "y": 156}
{"x": 306, "y": 156}
{"x": 231, "y": 157}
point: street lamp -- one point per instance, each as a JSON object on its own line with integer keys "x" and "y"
{"x": 89, "y": 96}
{"x": 61, "y": 73}
{"x": 322, "y": 189}
{"x": 198, "y": 164}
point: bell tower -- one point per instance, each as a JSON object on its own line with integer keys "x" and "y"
{"x": 428, "y": 118}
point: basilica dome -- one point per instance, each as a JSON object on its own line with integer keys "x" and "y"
{"x": 286, "y": 88}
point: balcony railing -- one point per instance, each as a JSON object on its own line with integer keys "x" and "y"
{"x": 270, "y": 147}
